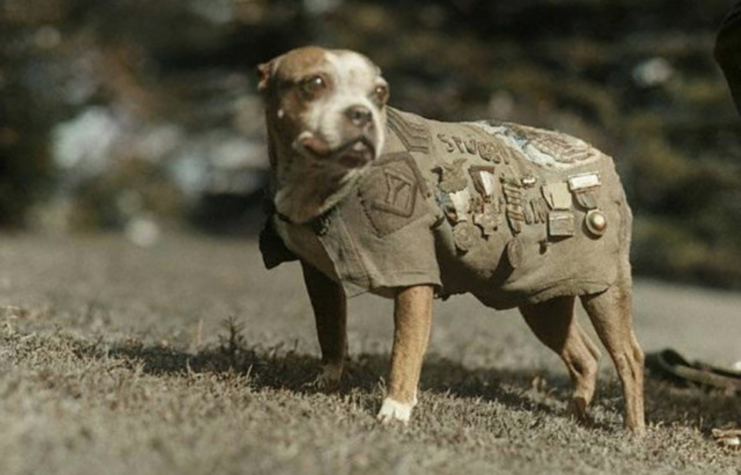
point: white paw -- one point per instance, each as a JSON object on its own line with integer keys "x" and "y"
{"x": 329, "y": 377}
{"x": 392, "y": 410}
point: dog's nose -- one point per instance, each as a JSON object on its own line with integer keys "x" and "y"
{"x": 360, "y": 116}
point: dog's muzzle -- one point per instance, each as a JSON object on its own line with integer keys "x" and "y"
{"x": 354, "y": 153}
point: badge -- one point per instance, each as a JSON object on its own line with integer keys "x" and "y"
{"x": 465, "y": 236}
{"x": 512, "y": 193}
{"x": 452, "y": 176}
{"x": 557, "y": 196}
{"x": 528, "y": 212}
{"x": 485, "y": 181}
{"x": 514, "y": 253}
{"x": 584, "y": 181}
{"x": 596, "y": 222}
{"x": 488, "y": 220}
{"x": 540, "y": 210}
{"x": 515, "y": 213}
{"x": 489, "y": 152}
{"x": 560, "y": 223}
{"x": 584, "y": 187}
{"x": 561, "y": 148}
{"x": 461, "y": 201}
{"x": 586, "y": 199}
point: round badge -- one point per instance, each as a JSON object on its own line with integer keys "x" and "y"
{"x": 596, "y": 222}
{"x": 514, "y": 253}
{"x": 464, "y": 234}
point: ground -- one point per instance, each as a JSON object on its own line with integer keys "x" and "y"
{"x": 190, "y": 358}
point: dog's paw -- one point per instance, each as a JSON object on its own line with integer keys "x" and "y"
{"x": 328, "y": 379}
{"x": 578, "y": 411}
{"x": 392, "y": 410}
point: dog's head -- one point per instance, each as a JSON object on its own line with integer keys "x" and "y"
{"x": 325, "y": 107}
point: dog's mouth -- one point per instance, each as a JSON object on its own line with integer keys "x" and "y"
{"x": 354, "y": 153}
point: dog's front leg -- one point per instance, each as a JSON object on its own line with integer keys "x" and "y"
{"x": 330, "y": 312}
{"x": 412, "y": 321}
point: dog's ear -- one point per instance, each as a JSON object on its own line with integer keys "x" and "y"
{"x": 264, "y": 73}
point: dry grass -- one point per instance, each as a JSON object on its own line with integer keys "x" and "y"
{"x": 117, "y": 360}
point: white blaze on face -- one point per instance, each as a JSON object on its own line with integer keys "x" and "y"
{"x": 354, "y": 81}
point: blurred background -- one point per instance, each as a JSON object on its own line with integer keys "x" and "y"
{"x": 142, "y": 117}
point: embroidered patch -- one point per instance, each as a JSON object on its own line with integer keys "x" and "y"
{"x": 392, "y": 193}
{"x": 555, "y": 146}
{"x": 414, "y": 135}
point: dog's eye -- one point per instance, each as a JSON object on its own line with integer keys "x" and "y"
{"x": 381, "y": 94}
{"x": 313, "y": 85}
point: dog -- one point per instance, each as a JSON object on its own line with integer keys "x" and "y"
{"x": 372, "y": 199}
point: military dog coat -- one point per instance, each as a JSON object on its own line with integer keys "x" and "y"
{"x": 511, "y": 214}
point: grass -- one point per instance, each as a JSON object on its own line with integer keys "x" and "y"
{"x": 108, "y": 364}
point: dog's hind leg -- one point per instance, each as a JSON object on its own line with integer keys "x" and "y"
{"x": 330, "y": 312}
{"x": 610, "y": 312}
{"x": 555, "y": 324}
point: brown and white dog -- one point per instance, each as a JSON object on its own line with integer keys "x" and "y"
{"x": 326, "y": 118}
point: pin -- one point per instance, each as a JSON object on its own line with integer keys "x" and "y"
{"x": 529, "y": 181}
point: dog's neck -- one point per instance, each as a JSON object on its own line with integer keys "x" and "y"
{"x": 304, "y": 189}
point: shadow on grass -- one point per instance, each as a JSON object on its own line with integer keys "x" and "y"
{"x": 282, "y": 368}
